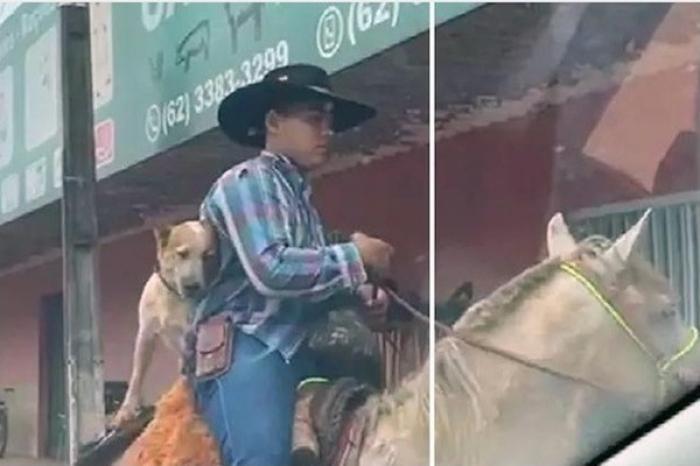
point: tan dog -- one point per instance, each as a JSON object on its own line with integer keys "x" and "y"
{"x": 166, "y": 300}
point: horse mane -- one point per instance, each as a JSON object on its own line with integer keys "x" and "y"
{"x": 461, "y": 398}
{"x": 461, "y": 404}
{"x": 491, "y": 310}
{"x": 406, "y": 413}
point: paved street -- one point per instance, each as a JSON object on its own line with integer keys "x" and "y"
{"x": 29, "y": 462}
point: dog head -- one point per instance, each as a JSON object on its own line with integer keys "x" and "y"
{"x": 184, "y": 251}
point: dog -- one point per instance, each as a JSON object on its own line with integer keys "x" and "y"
{"x": 185, "y": 254}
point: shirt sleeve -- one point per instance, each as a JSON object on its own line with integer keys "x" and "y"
{"x": 253, "y": 208}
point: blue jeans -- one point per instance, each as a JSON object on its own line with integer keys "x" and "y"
{"x": 250, "y": 408}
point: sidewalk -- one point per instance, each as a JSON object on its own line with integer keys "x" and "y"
{"x": 29, "y": 462}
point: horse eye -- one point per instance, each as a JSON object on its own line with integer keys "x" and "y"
{"x": 183, "y": 253}
{"x": 670, "y": 311}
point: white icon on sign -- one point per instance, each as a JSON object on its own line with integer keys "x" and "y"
{"x": 102, "y": 66}
{"x": 58, "y": 168}
{"x": 9, "y": 194}
{"x": 329, "y": 32}
{"x": 153, "y": 123}
{"x": 7, "y": 138}
{"x": 35, "y": 180}
{"x": 41, "y": 89}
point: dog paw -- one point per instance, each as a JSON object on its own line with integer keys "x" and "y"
{"x": 125, "y": 414}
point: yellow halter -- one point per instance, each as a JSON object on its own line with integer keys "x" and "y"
{"x": 661, "y": 366}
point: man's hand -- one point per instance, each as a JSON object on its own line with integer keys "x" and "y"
{"x": 376, "y": 308}
{"x": 376, "y": 254}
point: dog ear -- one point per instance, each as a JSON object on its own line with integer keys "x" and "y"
{"x": 208, "y": 228}
{"x": 211, "y": 236}
{"x": 162, "y": 235}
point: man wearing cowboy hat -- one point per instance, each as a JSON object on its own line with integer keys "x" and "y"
{"x": 275, "y": 263}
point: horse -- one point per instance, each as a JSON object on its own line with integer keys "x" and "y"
{"x": 591, "y": 343}
{"x": 550, "y": 367}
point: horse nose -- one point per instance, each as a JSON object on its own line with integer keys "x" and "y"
{"x": 690, "y": 378}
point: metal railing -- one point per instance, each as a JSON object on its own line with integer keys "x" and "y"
{"x": 4, "y": 428}
{"x": 671, "y": 243}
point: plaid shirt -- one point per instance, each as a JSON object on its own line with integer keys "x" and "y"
{"x": 274, "y": 259}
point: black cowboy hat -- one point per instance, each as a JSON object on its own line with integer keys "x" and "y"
{"x": 242, "y": 113}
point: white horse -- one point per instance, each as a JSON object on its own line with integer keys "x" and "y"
{"x": 597, "y": 314}
{"x": 527, "y": 376}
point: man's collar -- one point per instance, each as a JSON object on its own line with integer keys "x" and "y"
{"x": 286, "y": 164}
{"x": 278, "y": 156}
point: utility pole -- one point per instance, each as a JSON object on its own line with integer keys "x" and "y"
{"x": 85, "y": 379}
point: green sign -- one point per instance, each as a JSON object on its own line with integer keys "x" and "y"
{"x": 446, "y": 11}
{"x": 161, "y": 69}
{"x": 30, "y": 109}
{"x": 174, "y": 63}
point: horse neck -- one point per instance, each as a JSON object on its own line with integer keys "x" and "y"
{"x": 398, "y": 433}
{"x": 486, "y": 408}
{"x": 485, "y": 402}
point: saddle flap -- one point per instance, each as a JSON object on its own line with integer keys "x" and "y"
{"x": 211, "y": 336}
{"x": 214, "y": 347}
{"x": 332, "y": 412}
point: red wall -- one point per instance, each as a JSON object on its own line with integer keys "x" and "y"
{"x": 124, "y": 267}
{"x": 492, "y": 196}
{"x": 497, "y": 185}
{"x": 388, "y": 198}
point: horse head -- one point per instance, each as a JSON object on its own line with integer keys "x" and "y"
{"x": 583, "y": 345}
{"x": 642, "y": 343}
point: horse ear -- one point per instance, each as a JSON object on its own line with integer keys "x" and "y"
{"x": 559, "y": 240}
{"x": 626, "y": 243}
